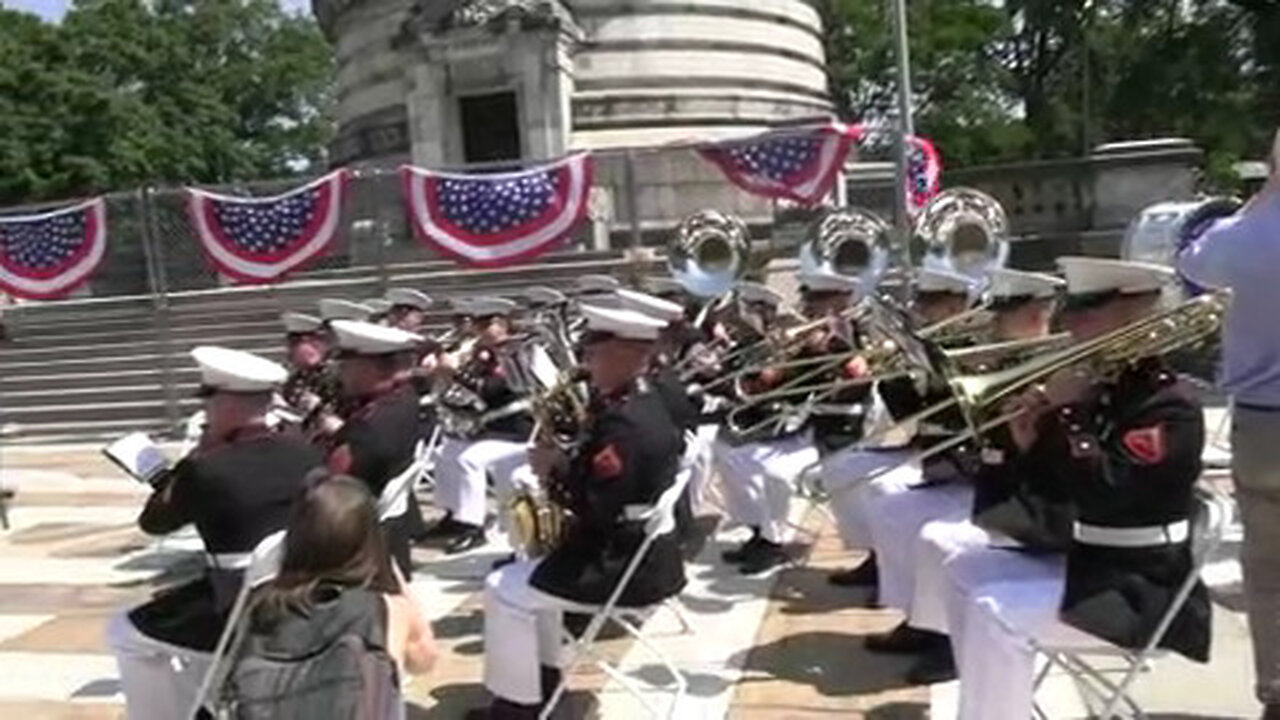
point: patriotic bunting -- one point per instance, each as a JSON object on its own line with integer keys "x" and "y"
{"x": 258, "y": 240}
{"x": 924, "y": 172}
{"x": 50, "y": 254}
{"x": 498, "y": 219}
{"x": 799, "y": 164}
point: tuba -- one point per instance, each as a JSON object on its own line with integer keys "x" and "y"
{"x": 965, "y": 231}
{"x": 852, "y": 242}
{"x": 709, "y": 253}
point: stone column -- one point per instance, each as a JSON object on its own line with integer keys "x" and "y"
{"x": 429, "y": 107}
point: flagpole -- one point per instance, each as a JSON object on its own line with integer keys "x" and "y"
{"x": 906, "y": 127}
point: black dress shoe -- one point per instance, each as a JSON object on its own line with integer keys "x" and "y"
{"x": 740, "y": 553}
{"x": 469, "y": 539}
{"x": 903, "y": 640}
{"x": 762, "y": 557}
{"x": 938, "y": 665}
{"x": 867, "y": 574}
{"x": 445, "y": 527}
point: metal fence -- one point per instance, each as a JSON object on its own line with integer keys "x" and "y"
{"x": 638, "y": 196}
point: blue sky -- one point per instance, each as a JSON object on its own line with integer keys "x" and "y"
{"x": 54, "y": 9}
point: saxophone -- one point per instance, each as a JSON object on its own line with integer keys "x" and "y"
{"x": 538, "y": 517}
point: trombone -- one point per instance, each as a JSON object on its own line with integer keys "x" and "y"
{"x": 1183, "y": 325}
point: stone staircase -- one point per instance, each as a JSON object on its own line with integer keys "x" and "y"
{"x": 91, "y": 370}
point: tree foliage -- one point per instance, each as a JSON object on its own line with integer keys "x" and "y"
{"x": 126, "y": 92}
{"x": 1052, "y": 78}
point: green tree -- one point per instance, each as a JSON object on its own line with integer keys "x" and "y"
{"x": 125, "y": 92}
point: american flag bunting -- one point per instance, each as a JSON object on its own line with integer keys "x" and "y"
{"x": 48, "y": 255}
{"x": 799, "y": 164}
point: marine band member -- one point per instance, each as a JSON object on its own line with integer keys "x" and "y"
{"x": 500, "y": 449}
{"x": 236, "y": 487}
{"x": 629, "y": 456}
{"x": 757, "y": 475}
{"x": 408, "y": 309}
{"x": 381, "y": 431}
{"x": 939, "y": 296}
{"x": 1022, "y": 305}
{"x": 1128, "y": 451}
{"x": 312, "y": 388}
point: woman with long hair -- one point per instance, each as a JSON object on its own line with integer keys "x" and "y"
{"x": 337, "y": 609}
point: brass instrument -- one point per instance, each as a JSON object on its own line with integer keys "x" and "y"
{"x": 538, "y": 520}
{"x": 852, "y": 242}
{"x": 709, "y": 253}
{"x": 964, "y": 230}
{"x": 991, "y": 356}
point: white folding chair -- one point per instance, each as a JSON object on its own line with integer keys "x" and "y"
{"x": 659, "y": 520}
{"x": 1091, "y": 681}
{"x": 264, "y": 565}
{"x": 393, "y": 501}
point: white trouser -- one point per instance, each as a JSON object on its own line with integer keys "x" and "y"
{"x": 159, "y": 680}
{"x": 939, "y": 543}
{"x": 844, "y": 478}
{"x": 895, "y": 519}
{"x": 464, "y": 465}
{"x": 698, "y": 458}
{"x": 521, "y": 633}
{"x": 998, "y": 661}
{"x": 757, "y": 480}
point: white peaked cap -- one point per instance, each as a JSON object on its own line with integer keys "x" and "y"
{"x": 377, "y": 306}
{"x": 1089, "y": 275}
{"x": 237, "y": 371}
{"x": 459, "y": 305}
{"x": 409, "y": 298}
{"x": 597, "y": 283}
{"x": 542, "y": 295}
{"x": 1006, "y": 283}
{"x": 827, "y": 282}
{"x": 335, "y": 309}
{"x": 626, "y": 324}
{"x": 931, "y": 280}
{"x": 754, "y": 292}
{"x": 482, "y": 306}
{"x": 366, "y": 338}
{"x": 664, "y": 286}
{"x": 654, "y": 307}
{"x": 300, "y": 323}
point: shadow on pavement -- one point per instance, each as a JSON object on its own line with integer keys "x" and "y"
{"x": 833, "y": 663}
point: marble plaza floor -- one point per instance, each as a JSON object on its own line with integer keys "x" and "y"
{"x": 787, "y": 645}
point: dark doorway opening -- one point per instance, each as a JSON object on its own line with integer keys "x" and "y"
{"x": 490, "y": 127}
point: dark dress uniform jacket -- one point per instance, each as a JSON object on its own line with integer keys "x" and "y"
{"x": 494, "y": 389}
{"x": 376, "y": 444}
{"x": 1025, "y": 495}
{"x": 629, "y": 458}
{"x": 1133, "y": 459}
{"x": 236, "y": 493}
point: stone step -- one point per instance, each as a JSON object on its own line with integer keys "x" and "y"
{"x": 57, "y": 383}
{"x": 121, "y": 360}
{"x": 176, "y": 346}
{"x": 72, "y": 409}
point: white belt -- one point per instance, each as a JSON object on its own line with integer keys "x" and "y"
{"x": 636, "y": 513}
{"x": 228, "y": 561}
{"x": 1132, "y": 537}
{"x": 849, "y": 409}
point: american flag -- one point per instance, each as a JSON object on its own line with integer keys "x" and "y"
{"x": 258, "y": 240}
{"x": 799, "y": 164}
{"x": 499, "y": 219}
{"x": 924, "y": 172}
{"x": 49, "y": 255}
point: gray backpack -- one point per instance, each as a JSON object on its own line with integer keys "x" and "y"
{"x": 329, "y": 665}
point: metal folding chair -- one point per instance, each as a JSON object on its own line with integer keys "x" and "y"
{"x": 393, "y": 501}
{"x": 1091, "y": 681}
{"x": 264, "y": 564}
{"x": 659, "y": 520}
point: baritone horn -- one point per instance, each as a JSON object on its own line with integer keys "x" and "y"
{"x": 852, "y": 242}
{"x": 965, "y": 231}
{"x": 537, "y": 517}
{"x": 709, "y": 253}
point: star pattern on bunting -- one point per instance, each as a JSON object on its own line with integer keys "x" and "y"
{"x": 486, "y": 205}
{"x": 43, "y": 244}
{"x": 267, "y": 228}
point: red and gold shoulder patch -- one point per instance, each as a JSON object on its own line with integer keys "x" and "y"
{"x": 607, "y": 463}
{"x": 1146, "y": 445}
{"x": 340, "y": 459}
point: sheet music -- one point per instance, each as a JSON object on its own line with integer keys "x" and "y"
{"x": 137, "y": 455}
